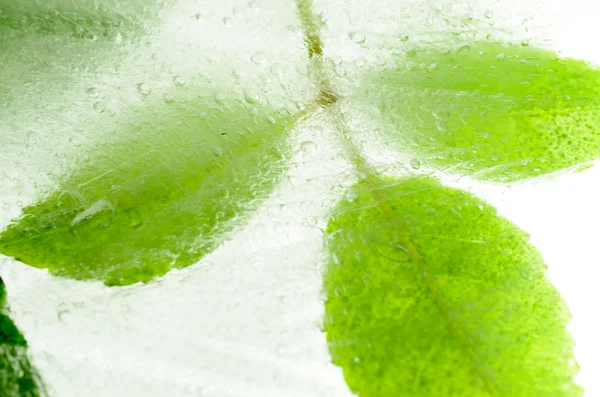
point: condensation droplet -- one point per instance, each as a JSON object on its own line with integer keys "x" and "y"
{"x": 251, "y": 96}
{"x": 178, "y": 81}
{"x": 217, "y": 151}
{"x": 99, "y": 107}
{"x": 415, "y": 163}
{"x": 271, "y": 119}
{"x": 525, "y": 43}
{"x": 220, "y": 97}
{"x": 488, "y": 14}
{"x": 411, "y": 53}
{"x": 501, "y": 57}
{"x": 168, "y": 98}
{"x": 227, "y": 21}
{"x": 432, "y": 67}
{"x": 143, "y": 88}
{"x": 357, "y": 37}
{"x": 404, "y": 39}
{"x": 198, "y": 16}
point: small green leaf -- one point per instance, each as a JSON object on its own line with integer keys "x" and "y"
{"x": 159, "y": 196}
{"x": 17, "y": 377}
{"x": 431, "y": 293}
{"x": 500, "y": 112}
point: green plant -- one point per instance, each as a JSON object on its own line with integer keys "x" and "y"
{"x": 428, "y": 291}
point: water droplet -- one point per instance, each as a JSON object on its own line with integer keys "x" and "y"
{"x": 92, "y": 91}
{"x": 168, "y": 98}
{"x": 99, "y": 107}
{"x": 308, "y": 147}
{"x": 218, "y": 151}
{"x": 271, "y": 119}
{"x": 404, "y": 39}
{"x": 411, "y": 53}
{"x": 432, "y": 67}
{"x": 488, "y": 14}
{"x": 501, "y": 57}
{"x": 464, "y": 50}
{"x": 251, "y": 96}
{"x": 227, "y": 21}
{"x": 359, "y": 62}
{"x": 178, "y": 81}
{"x": 357, "y": 37}
{"x": 143, "y": 88}
{"x": 415, "y": 164}
{"x": 198, "y": 16}
{"x": 220, "y": 97}
{"x": 525, "y": 43}
{"x": 356, "y": 360}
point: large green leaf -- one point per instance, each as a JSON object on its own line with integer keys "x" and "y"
{"x": 158, "y": 195}
{"x": 81, "y": 18}
{"x": 498, "y": 111}
{"x": 430, "y": 293}
{"x": 17, "y": 377}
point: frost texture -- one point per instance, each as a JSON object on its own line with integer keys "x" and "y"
{"x": 431, "y": 293}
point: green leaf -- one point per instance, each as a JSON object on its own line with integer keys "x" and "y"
{"x": 17, "y": 376}
{"x": 497, "y": 111}
{"x": 158, "y": 196}
{"x": 431, "y": 293}
{"x": 80, "y": 18}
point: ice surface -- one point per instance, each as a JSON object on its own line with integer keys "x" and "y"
{"x": 246, "y": 319}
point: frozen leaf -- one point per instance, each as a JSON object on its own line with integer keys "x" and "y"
{"x": 17, "y": 377}
{"x": 158, "y": 196}
{"x": 81, "y": 18}
{"x": 431, "y": 293}
{"x": 496, "y": 111}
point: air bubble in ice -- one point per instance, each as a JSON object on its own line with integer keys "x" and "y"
{"x": 308, "y": 147}
{"x": 251, "y": 96}
{"x": 143, "y": 88}
{"x": 168, "y": 98}
{"x": 415, "y": 164}
{"x": 259, "y": 58}
{"x": 99, "y": 107}
{"x": 178, "y": 81}
{"x": 357, "y": 37}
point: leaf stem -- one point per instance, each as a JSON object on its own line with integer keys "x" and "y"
{"x": 328, "y": 99}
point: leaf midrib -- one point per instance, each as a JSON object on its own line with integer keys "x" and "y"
{"x": 311, "y": 29}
